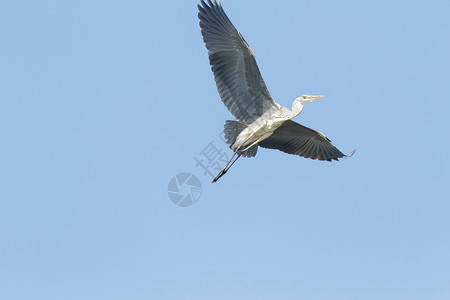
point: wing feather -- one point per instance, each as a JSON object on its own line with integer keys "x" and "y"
{"x": 238, "y": 79}
{"x": 297, "y": 139}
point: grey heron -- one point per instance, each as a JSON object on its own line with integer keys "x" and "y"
{"x": 261, "y": 121}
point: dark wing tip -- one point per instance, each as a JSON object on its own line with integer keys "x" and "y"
{"x": 210, "y": 4}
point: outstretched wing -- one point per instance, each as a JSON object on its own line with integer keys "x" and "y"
{"x": 297, "y": 139}
{"x": 233, "y": 63}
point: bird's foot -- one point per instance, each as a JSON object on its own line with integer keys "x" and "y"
{"x": 350, "y": 154}
{"x": 221, "y": 173}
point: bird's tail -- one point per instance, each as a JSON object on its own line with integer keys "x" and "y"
{"x": 232, "y": 130}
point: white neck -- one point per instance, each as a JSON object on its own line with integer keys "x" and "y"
{"x": 297, "y": 107}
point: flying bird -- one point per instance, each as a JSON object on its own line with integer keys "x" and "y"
{"x": 261, "y": 121}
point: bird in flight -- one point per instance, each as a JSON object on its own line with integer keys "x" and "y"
{"x": 261, "y": 121}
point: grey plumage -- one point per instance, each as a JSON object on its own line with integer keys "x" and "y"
{"x": 262, "y": 121}
{"x": 297, "y": 139}
{"x": 232, "y": 130}
{"x": 239, "y": 82}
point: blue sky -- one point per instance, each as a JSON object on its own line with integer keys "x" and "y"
{"x": 103, "y": 102}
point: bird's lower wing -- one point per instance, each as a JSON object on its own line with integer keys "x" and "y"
{"x": 297, "y": 139}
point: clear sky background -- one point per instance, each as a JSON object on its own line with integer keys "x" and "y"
{"x": 103, "y": 102}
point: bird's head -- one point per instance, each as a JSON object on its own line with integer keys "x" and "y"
{"x": 307, "y": 98}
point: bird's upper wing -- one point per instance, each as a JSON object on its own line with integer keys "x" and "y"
{"x": 297, "y": 139}
{"x": 233, "y": 63}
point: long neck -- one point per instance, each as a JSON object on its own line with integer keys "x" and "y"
{"x": 296, "y": 108}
